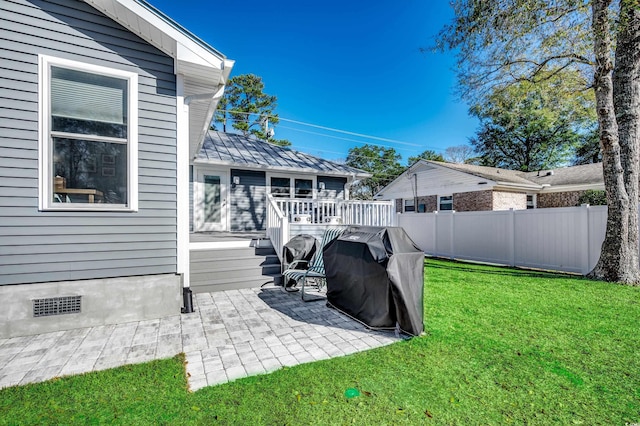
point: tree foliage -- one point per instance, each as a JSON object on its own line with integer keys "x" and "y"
{"x": 249, "y": 109}
{"x": 505, "y": 42}
{"x": 460, "y": 154}
{"x": 528, "y": 126}
{"x": 594, "y": 197}
{"x": 383, "y": 163}
{"x": 425, "y": 155}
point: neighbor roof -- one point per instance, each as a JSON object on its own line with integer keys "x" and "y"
{"x": 241, "y": 151}
{"x": 575, "y": 175}
{"x": 491, "y": 173}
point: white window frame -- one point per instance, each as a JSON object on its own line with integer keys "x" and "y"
{"x": 408, "y": 202}
{"x": 534, "y": 201}
{"x": 440, "y": 197}
{"x": 46, "y": 181}
{"x": 292, "y": 185}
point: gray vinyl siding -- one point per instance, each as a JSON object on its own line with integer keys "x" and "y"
{"x": 190, "y": 198}
{"x": 333, "y": 187}
{"x": 53, "y": 246}
{"x": 248, "y": 201}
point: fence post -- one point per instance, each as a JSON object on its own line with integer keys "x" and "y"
{"x": 584, "y": 216}
{"x": 452, "y": 234}
{"x": 511, "y": 235}
{"x": 435, "y": 233}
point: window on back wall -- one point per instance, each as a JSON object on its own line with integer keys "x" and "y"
{"x": 88, "y": 128}
{"x": 409, "y": 205}
{"x": 531, "y": 201}
{"x": 281, "y": 187}
{"x": 285, "y": 187}
{"x": 445, "y": 202}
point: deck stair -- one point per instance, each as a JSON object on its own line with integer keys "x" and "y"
{"x": 234, "y": 266}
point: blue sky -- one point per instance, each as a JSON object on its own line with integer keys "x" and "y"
{"x": 349, "y": 65}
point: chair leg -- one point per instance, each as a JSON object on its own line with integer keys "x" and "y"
{"x": 304, "y": 282}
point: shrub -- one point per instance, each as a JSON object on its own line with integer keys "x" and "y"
{"x": 594, "y": 197}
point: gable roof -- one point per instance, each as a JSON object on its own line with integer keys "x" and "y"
{"x": 241, "y": 151}
{"x": 573, "y": 178}
{"x": 491, "y": 173}
{"x": 205, "y": 69}
{"x": 575, "y": 175}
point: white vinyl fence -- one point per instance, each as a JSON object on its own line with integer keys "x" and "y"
{"x": 562, "y": 239}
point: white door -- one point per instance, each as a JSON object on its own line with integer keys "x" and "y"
{"x": 210, "y": 209}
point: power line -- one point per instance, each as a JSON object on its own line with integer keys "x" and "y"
{"x": 339, "y": 137}
{"x": 346, "y": 132}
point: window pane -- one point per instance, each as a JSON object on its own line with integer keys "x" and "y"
{"x": 280, "y": 187}
{"x": 409, "y": 205}
{"x": 88, "y": 103}
{"x": 89, "y": 172}
{"x": 446, "y": 203}
{"x": 212, "y": 208}
{"x": 304, "y": 188}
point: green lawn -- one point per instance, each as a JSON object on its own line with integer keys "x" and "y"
{"x": 503, "y": 346}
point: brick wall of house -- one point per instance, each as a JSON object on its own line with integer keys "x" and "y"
{"x": 558, "y": 199}
{"x": 430, "y": 202}
{"x": 472, "y": 201}
{"x": 509, "y": 200}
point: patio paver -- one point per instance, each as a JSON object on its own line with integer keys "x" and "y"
{"x": 232, "y": 334}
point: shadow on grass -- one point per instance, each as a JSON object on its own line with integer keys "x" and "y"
{"x": 479, "y": 268}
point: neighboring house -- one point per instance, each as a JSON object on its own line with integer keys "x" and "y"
{"x": 429, "y": 186}
{"x": 232, "y": 175}
{"x": 104, "y": 104}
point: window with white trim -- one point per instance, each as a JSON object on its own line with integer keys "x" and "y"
{"x": 88, "y": 131}
{"x": 409, "y": 205}
{"x": 531, "y": 201}
{"x": 285, "y": 187}
{"x": 445, "y": 202}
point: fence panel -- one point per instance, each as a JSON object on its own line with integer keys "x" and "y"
{"x": 562, "y": 239}
{"x": 484, "y": 236}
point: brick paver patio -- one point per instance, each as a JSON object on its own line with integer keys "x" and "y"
{"x": 232, "y": 334}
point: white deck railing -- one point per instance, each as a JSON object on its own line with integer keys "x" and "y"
{"x": 277, "y": 226}
{"x": 282, "y": 211}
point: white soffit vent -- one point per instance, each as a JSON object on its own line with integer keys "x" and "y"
{"x": 56, "y": 306}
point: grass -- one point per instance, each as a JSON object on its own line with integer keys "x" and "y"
{"x": 503, "y": 346}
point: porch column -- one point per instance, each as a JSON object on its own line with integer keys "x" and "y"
{"x": 182, "y": 180}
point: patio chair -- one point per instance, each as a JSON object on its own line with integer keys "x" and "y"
{"x": 316, "y": 266}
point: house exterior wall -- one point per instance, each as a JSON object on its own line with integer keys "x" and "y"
{"x": 503, "y": 200}
{"x": 558, "y": 199}
{"x": 398, "y": 205}
{"x": 248, "y": 200}
{"x": 47, "y": 246}
{"x": 473, "y": 201}
{"x": 333, "y": 187}
{"x": 430, "y": 203}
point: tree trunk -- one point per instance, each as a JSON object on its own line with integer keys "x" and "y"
{"x": 626, "y": 101}
{"x": 618, "y": 140}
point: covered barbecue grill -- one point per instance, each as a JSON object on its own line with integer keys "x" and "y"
{"x": 375, "y": 275}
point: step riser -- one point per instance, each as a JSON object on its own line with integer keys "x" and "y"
{"x": 233, "y": 274}
{"x": 208, "y": 288}
{"x": 227, "y": 264}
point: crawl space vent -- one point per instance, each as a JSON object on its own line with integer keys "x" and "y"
{"x": 56, "y": 306}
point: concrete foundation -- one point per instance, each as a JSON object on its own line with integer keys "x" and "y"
{"x": 103, "y": 301}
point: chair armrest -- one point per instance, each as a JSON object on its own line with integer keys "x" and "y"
{"x": 295, "y": 263}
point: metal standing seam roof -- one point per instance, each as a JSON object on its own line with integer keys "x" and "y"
{"x": 241, "y": 151}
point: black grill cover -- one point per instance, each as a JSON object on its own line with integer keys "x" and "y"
{"x": 376, "y": 275}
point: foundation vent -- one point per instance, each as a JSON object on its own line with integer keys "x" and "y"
{"x": 56, "y": 306}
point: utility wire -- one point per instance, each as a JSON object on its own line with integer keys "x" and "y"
{"x": 325, "y": 128}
